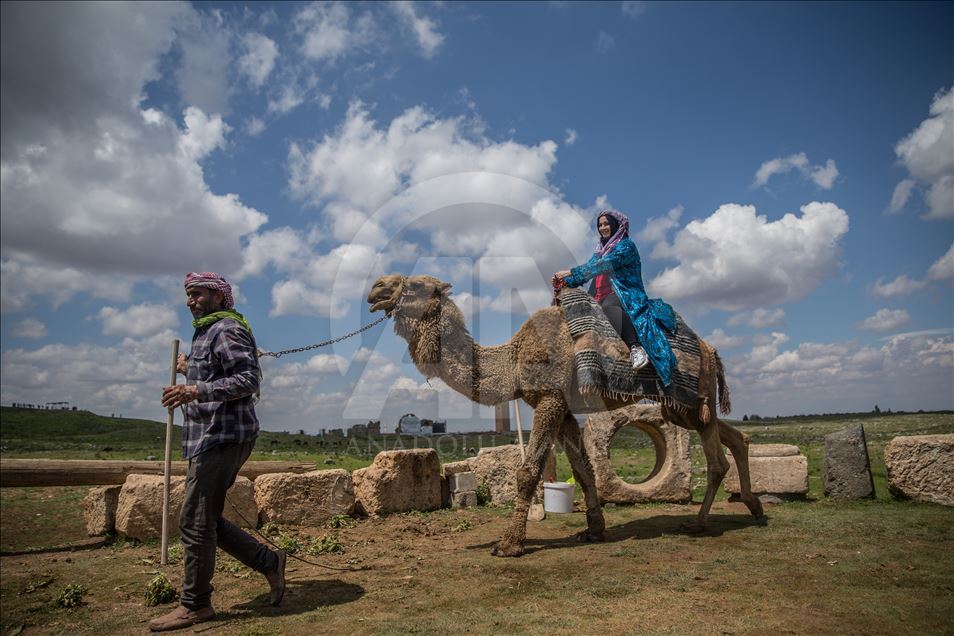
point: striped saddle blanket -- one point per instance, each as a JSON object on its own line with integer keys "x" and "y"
{"x": 602, "y": 360}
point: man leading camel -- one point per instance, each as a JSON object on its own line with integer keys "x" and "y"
{"x": 222, "y": 381}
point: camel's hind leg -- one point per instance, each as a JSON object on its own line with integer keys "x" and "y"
{"x": 738, "y": 443}
{"x": 716, "y": 463}
{"x": 547, "y": 417}
{"x": 572, "y": 443}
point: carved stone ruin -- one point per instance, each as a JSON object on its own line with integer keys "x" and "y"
{"x": 399, "y": 481}
{"x": 670, "y": 479}
{"x": 139, "y": 506}
{"x": 775, "y": 469}
{"x": 846, "y": 470}
{"x": 921, "y": 467}
{"x": 306, "y": 499}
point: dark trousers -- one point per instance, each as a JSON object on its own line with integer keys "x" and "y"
{"x": 202, "y": 526}
{"x": 619, "y": 319}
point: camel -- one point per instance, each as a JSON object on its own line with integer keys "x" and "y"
{"x": 537, "y": 366}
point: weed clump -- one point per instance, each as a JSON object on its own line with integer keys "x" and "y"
{"x": 326, "y": 544}
{"x": 463, "y": 526}
{"x": 288, "y": 544}
{"x": 160, "y": 591}
{"x": 483, "y": 493}
{"x": 341, "y": 521}
{"x": 72, "y": 596}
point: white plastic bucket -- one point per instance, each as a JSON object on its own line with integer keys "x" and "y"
{"x": 558, "y": 496}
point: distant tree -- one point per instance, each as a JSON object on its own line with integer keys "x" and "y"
{"x": 877, "y": 410}
{"x": 745, "y": 418}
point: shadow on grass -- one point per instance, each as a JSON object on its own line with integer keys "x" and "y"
{"x": 649, "y": 528}
{"x": 300, "y": 597}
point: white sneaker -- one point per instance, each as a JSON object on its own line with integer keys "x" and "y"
{"x": 638, "y": 357}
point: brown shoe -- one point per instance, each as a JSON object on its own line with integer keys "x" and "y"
{"x": 181, "y": 617}
{"x": 276, "y": 579}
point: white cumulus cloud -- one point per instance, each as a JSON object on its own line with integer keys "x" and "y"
{"x": 926, "y": 153}
{"x": 758, "y": 318}
{"x": 721, "y": 340}
{"x": 900, "y": 286}
{"x": 424, "y": 28}
{"x": 943, "y": 268}
{"x": 900, "y": 196}
{"x": 736, "y": 259}
{"x": 885, "y": 320}
{"x": 330, "y": 30}
{"x": 29, "y": 328}
{"x": 822, "y": 176}
{"x": 259, "y": 58}
{"x": 137, "y": 321}
{"x": 105, "y": 194}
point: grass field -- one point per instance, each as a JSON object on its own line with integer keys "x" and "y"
{"x": 814, "y": 567}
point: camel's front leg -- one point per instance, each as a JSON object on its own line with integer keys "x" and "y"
{"x": 716, "y": 468}
{"x": 572, "y": 443}
{"x": 547, "y": 417}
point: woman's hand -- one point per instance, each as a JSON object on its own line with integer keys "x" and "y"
{"x": 182, "y": 364}
{"x": 562, "y": 274}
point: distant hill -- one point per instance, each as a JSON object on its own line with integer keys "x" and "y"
{"x": 35, "y": 430}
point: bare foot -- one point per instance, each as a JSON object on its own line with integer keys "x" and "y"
{"x": 587, "y": 536}
{"x": 503, "y": 549}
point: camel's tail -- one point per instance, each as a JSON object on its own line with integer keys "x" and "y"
{"x": 725, "y": 404}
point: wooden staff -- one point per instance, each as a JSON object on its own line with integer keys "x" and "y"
{"x": 167, "y": 473}
{"x": 523, "y": 453}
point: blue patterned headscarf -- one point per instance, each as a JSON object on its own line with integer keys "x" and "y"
{"x": 602, "y": 249}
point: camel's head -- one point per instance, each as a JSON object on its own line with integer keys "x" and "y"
{"x": 411, "y": 296}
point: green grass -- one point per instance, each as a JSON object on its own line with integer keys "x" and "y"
{"x": 41, "y": 434}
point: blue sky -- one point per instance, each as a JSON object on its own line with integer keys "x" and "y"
{"x": 788, "y": 172}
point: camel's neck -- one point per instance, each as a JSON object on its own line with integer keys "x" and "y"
{"x": 441, "y": 346}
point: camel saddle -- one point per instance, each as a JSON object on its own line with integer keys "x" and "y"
{"x": 602, "y": 362}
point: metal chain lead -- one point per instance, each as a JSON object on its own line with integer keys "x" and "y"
{"x": 279, "y": 354}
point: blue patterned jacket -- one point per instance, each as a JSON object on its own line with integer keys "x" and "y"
{"x": 649, "y": 316}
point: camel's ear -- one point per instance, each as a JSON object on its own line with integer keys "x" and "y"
{"x": 444, "y": 288}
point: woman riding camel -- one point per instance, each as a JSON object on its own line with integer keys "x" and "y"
{"x": 618, "y": 287}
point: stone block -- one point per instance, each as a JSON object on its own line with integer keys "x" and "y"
{"x": 670, "y": 479}
{"x": 461, "y": 482}
{"x": 464, "y": 499}
{"x": 139, "y": 507}
{"x": 452, "y": 468}
{"x": 921, "y": 467}
{"x": 846, "y": 470}
{"x": 304, "y": 499}
{"x": 497, "y": 467}
{"x": 99, "y": 509}
{"x": 399, "y": 481}
{"x": 785, "y": 475}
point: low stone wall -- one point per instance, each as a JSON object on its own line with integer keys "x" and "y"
{"x": 139, "y": 506}
{"x": 921, "y": 467}
{"x": 305, "y": 499}
{"x": 775, "y": 469}
{"x": 399, "y": 481}
{"x": 497, "y": 468}
{"x": 670, "y": 479}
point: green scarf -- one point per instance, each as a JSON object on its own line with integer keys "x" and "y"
{"x": 216, "y": 316}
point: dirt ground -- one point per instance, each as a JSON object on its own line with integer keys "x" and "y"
{"x": 812, "y": 567}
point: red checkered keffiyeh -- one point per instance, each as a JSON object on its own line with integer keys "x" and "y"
{"x": 212, "y": 281}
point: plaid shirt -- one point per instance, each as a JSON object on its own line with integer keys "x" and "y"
{"x": 223, "y": 364}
